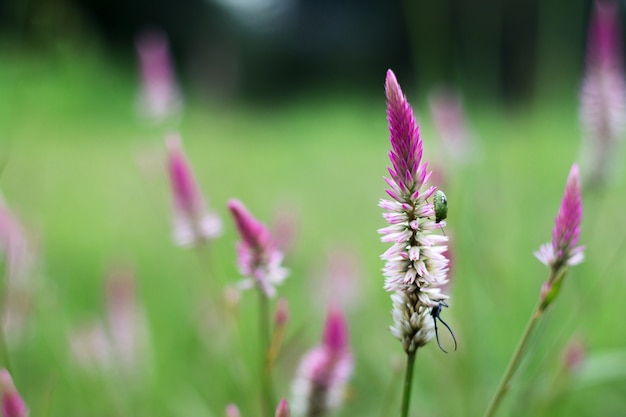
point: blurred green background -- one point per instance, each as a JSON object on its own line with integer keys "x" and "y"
{"x": 86, "y": 176}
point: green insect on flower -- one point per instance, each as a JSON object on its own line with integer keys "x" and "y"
{"x": 440, "y": 202}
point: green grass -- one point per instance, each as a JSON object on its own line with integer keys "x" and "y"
{"x": 73, "y": 143}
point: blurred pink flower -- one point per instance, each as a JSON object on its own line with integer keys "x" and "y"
{"x": 574, "y": 354}
{"x": 257, "y": 256}
{"x": 285, "y": 228}
{"x": 12, "y": 403}
{"x": 193, "y": 223}
{"x": 160, "y": 97}
{"x": 603, "y": 93}
{"x": 338, "y": 283}
{"x": 232, "y": 411}
{"x": 13, "y": 244}
{"x": 562, "y": 250}
{"x": 18, "y": 255}
{"x": 120, "y": 341}
{"x": 128, "y": 329}
{"x": 321, "y": 378}
{"x": 451, "y": 125}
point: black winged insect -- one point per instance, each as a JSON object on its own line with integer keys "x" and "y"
{"x": 436, "y": 315}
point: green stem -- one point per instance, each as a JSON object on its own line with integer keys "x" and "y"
{"x": 267, "y": 390}
{"x": 408, "y": 380}
{"x": 504, "y": 385}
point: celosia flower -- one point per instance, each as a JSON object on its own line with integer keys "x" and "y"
{"x": 12, "y": 403}
{"x": 324, "y": 371}
{"x": 603, "y": 93}
{"x": 415, "y": 266}
{"x": 193, "y": 223}
{"x": 160, "y": 97}
{"x": 563, "y": 250}
{"x": 257, "y": 256}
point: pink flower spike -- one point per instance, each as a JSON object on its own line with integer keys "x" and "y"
{"x": 283, "y": 409}
{"x": 603, "y": 92}
{"x": 324, "y": 371}
{"x": 415, "y": 266}
{"x": 12, "y": 403}
{"x": 563, "y": 251}
{"x": 193, "y": 223}
{"x": 604, "y": 42}
{"x": 160, "y": 97}
{"x": 257, "y": 257}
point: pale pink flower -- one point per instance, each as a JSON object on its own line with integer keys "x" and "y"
{"x": 90, "y": 346}
{"x": 603, "y": 93}
{"x": 17, "y": 255}
{"x": 13, "y": 245}
{"x": 257, "y": 257}
{"x": 193, "y": 222}
{"x": 12, "y": 403}
{"x": 451, "y": 125}
{"x": 415, "y": 265}
{"x": 160, "y": 96}
{"x": 324, "y": 371}
{"x": 338, "y": 283}
{"x": 121, "y": 340}
{"x": 232, "y": 411}
{"x": 127, "y": 323}
{"x": 562, "y": 250}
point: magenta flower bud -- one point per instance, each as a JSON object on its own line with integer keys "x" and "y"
{"x": 193, "y": 223}
{"x": 257, "y": 257}
{"x": 603, "y": 93}
{"x": 232, "y": 411}
{"x": 12, "y": 403}
{"x": 283, "y": 409}
{"x": 563, "y": 250}
{"x": 160, "y": 97}
{"x": 324, "y": 371}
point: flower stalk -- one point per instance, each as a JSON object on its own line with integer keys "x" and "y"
{"x": 558, "y": 255}
{"x": 415, "y": 266}
{"x": 260, "y": 262}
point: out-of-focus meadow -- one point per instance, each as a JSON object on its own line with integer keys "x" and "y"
{"x": 86, "y": 176}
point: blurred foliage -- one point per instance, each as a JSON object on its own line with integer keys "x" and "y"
{"x": 85, "y": 175}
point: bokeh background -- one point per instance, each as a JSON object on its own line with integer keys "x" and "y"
{"x": 280, "y": 103}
